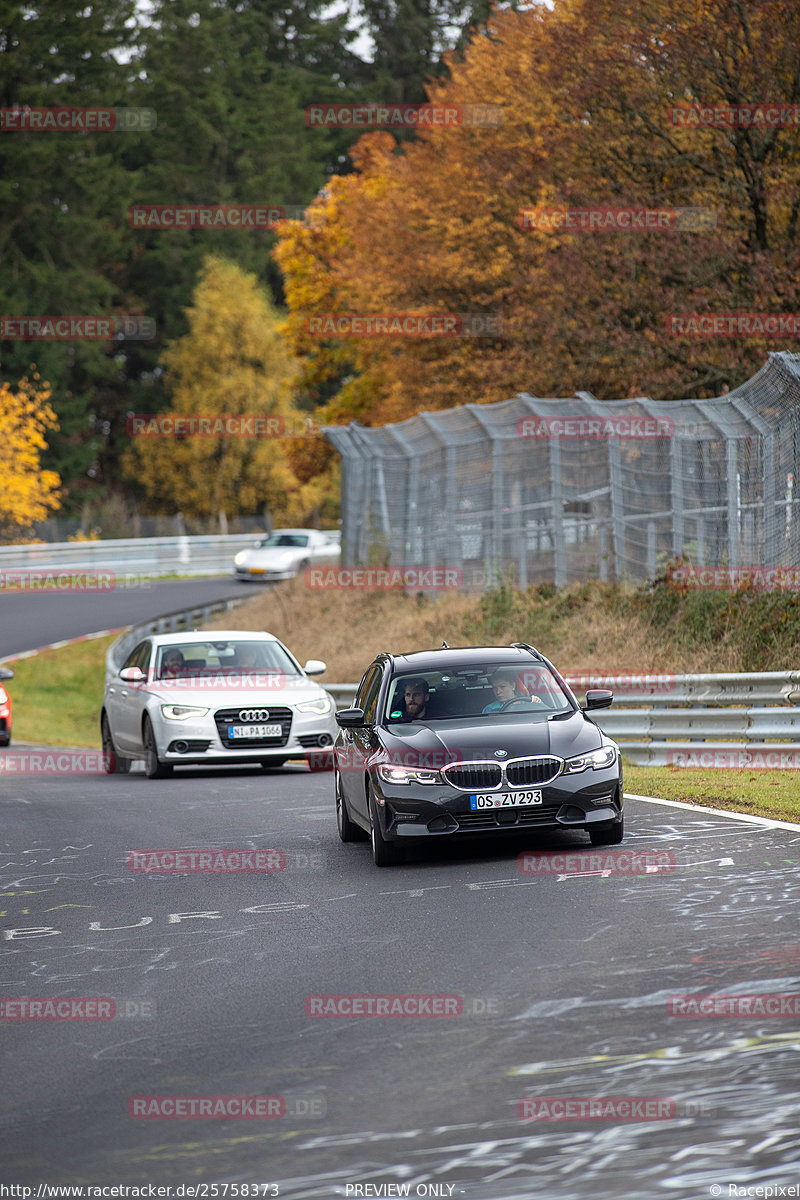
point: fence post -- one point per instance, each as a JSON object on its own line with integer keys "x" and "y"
{"x": 557, "y": 503}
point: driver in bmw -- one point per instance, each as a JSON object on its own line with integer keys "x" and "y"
{"x": 504, "y": 686}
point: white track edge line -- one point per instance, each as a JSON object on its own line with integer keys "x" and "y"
{"x": 768, "y": 822}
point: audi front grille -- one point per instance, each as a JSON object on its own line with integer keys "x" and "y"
{"x": 278, "y": 715}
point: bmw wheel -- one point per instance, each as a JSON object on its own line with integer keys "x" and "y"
{"x": 348, "y": 830}
{"x": 610, "y": 836}
{"x": 384, "y": 853}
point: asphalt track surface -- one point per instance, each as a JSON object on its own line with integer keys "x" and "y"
{"x": 32, "y": 619}
{"x": 564, "y": 979}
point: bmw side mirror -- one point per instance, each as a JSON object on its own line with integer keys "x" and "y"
{"x": 350, "y": 718}
{"x": 598, "y": 698}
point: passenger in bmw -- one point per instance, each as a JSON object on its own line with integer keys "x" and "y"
{"x": 505, "y": 688}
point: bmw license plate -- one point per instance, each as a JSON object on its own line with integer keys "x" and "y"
{"x": 505, "y": 799}
{"x": 253, "y": 731}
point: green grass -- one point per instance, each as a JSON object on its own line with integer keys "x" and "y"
{"x": 758, "y": 793}
{"x": 56, "y": 695}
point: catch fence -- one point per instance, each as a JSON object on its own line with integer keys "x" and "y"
{"x": 563, "y": 490}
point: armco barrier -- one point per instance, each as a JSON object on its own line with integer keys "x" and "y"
{"x": 178, "y": 555}
{"x": 692, "y": 720}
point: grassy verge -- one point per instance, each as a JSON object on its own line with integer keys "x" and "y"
{"x": 56, "y": 695}
{"x": 758, "y": 793}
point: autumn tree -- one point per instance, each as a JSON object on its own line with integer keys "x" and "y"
{"x": 585, "y": 88}
{"x": 232, "y": 361}
{"x": 29, "y": 492}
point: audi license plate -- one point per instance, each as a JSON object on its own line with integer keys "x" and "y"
{"x": 253, "y": 731}
{"x": 505, "y": 799}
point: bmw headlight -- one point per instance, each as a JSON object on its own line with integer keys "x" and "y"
{"x": 321, "y": 705}
{"x": 393, "y": 773}
{"x": 606, "y": 756}
{"x": 179, "y": 712}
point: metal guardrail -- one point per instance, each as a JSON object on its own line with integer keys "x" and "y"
{"x": 657, "y": 720}
{"x": 178, "y": 555}
{"x": 184, "y": 619}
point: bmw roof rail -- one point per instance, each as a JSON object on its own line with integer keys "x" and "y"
{"x": 532, "y": 649}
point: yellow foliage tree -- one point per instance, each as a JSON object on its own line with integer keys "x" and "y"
{"x": 29, "y": 493}
{"x": 231, "y": 362}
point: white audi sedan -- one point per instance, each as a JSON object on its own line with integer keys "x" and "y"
{"x": 287, "y": 552}
{"x": 233, "y": 696}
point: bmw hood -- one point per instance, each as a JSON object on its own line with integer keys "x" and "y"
{"x": 447, "y": 741}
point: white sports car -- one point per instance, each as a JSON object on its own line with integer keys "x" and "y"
{"x": 287, "y": 552}
{"x": 228, "y": 696}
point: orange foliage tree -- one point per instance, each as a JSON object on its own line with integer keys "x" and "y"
{"x": 586, "y": 89}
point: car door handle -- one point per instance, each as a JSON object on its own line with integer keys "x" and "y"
{"x": 123, "y": 692}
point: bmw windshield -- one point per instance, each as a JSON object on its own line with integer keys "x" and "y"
{"x": 493, "y": 689}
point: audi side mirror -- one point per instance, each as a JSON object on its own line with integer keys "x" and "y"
{"x": 132, "y": 675}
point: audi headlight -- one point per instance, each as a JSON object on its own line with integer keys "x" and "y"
{"x": 606, "y": 756}
{"x": 179, "y": 712}
{"x": 392, "y": 773}
{"x": 321, "y": 705}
